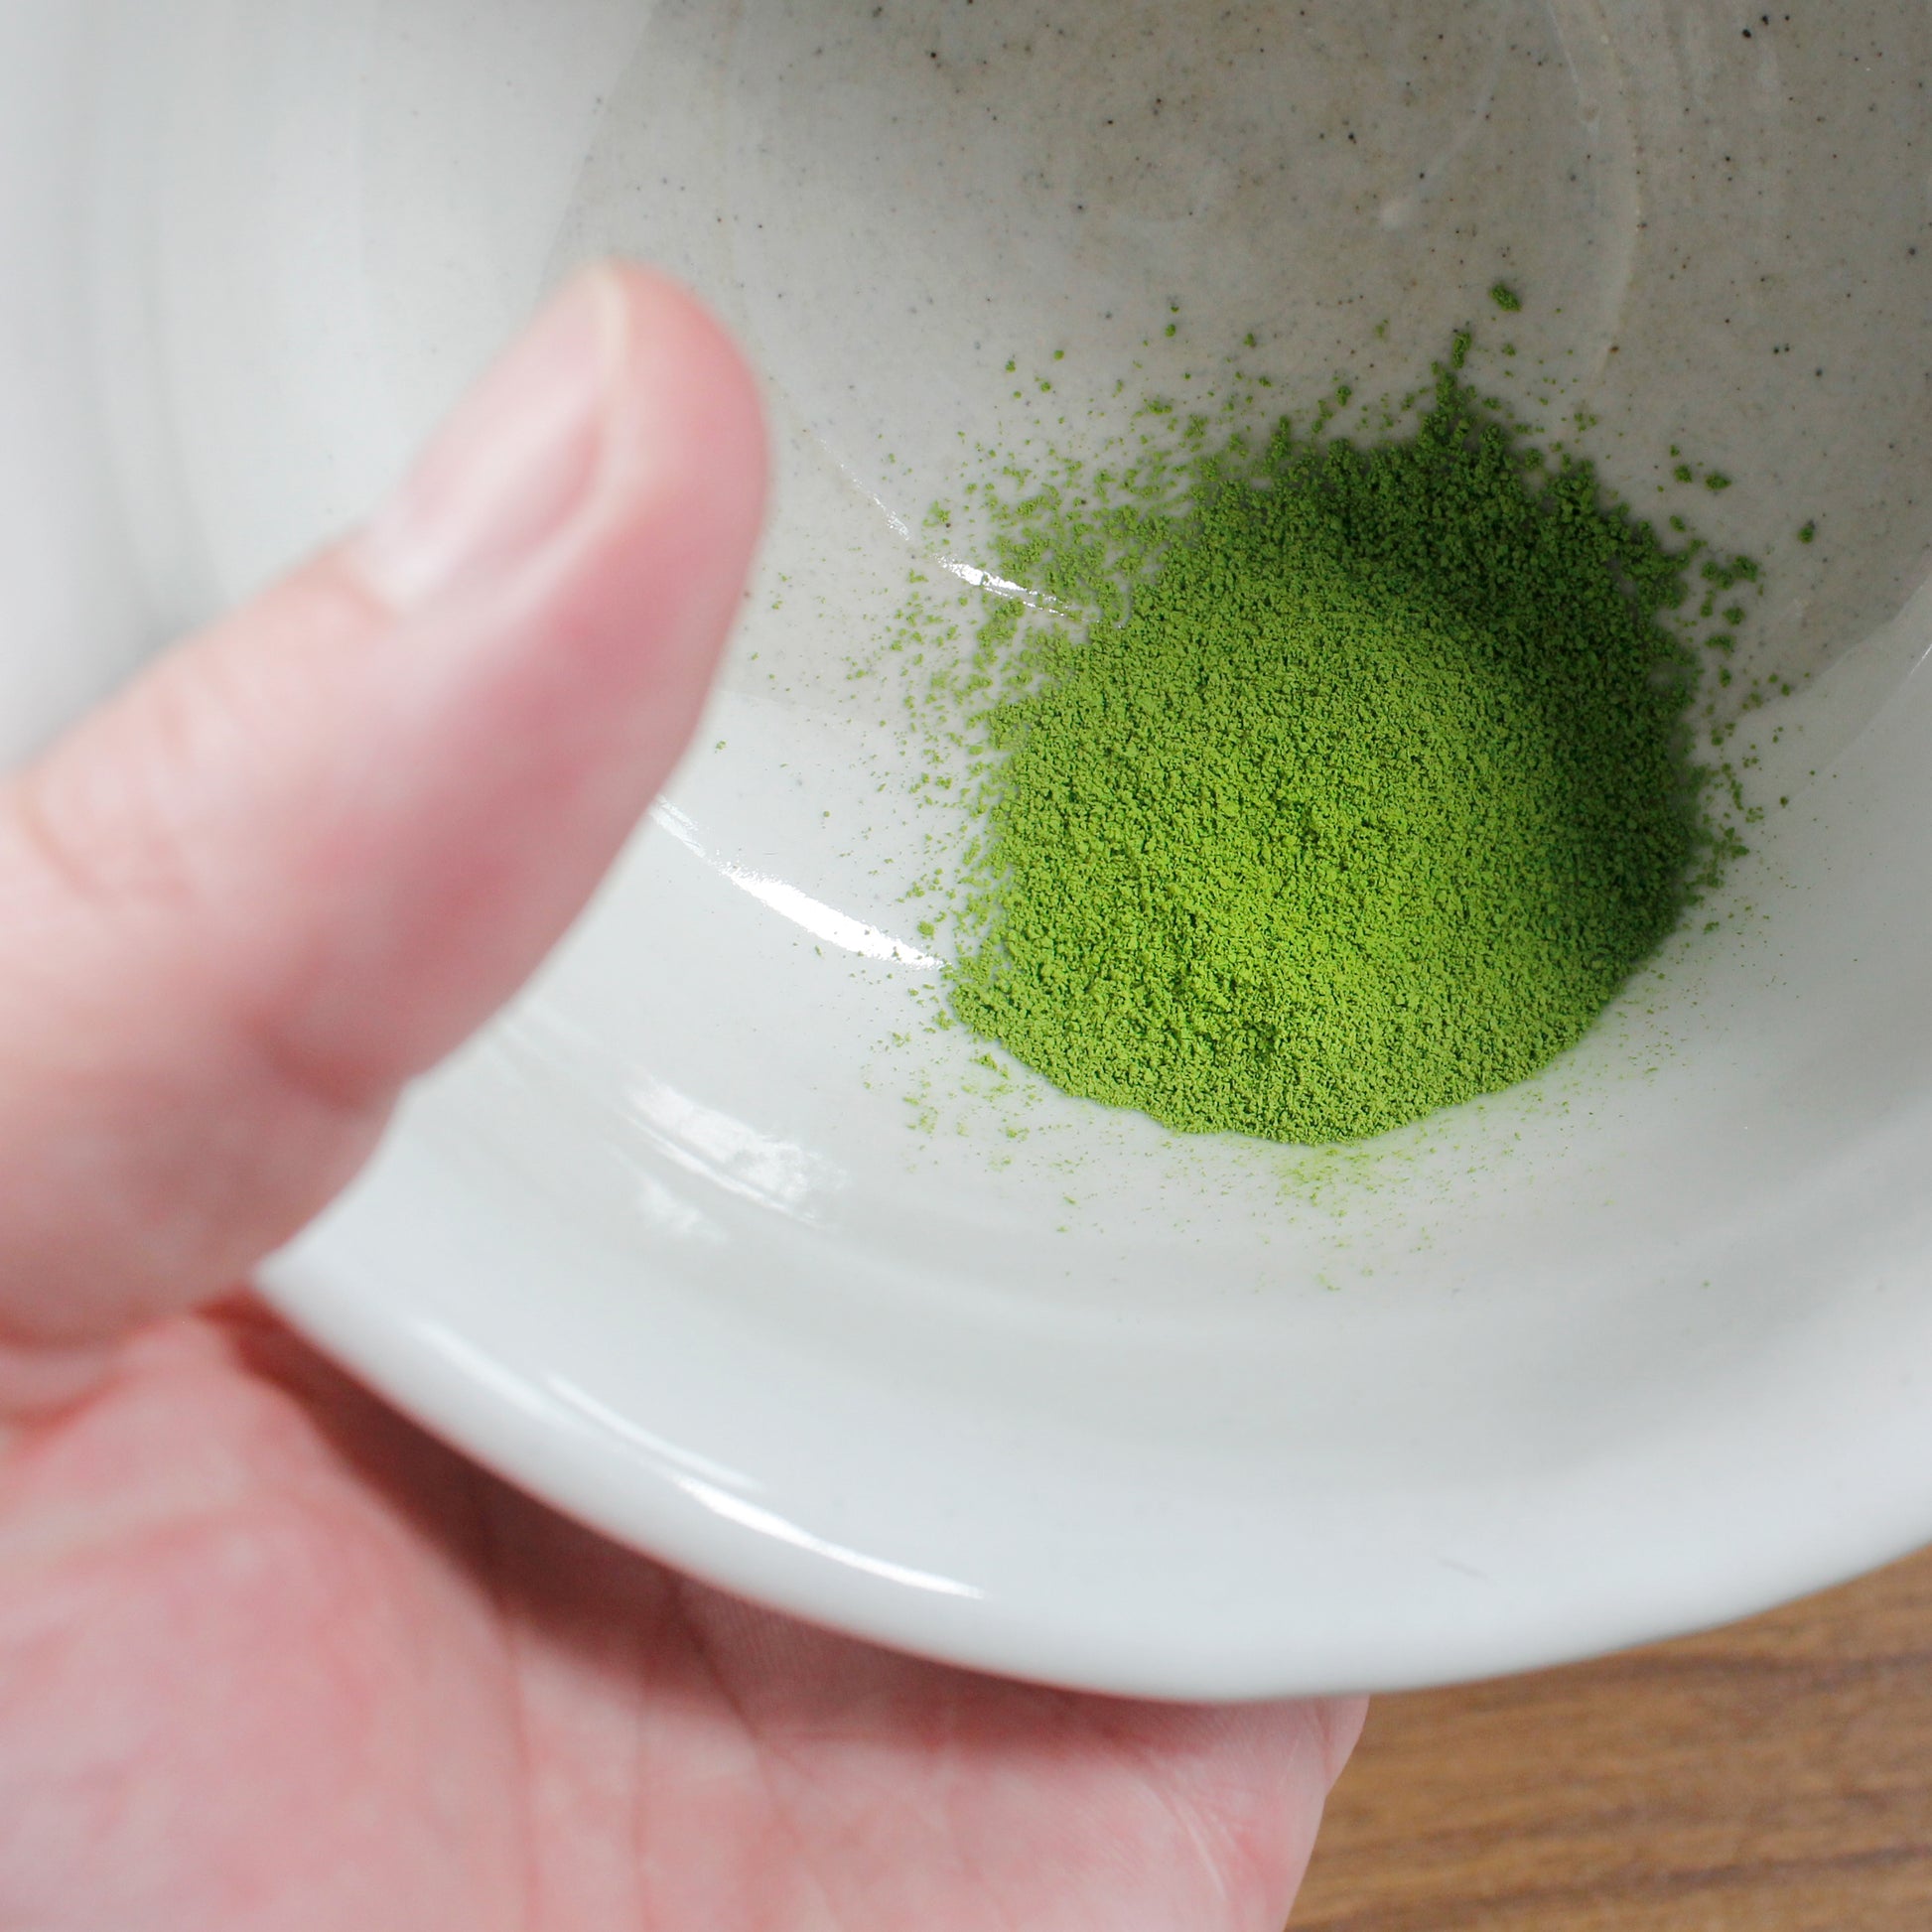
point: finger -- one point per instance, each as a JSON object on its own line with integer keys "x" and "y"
{"x": 308, "y": 854}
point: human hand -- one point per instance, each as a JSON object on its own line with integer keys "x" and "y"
{"x": 269, "y": 1657}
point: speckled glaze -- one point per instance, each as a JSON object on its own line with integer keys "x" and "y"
{"x": 713, "y": 1241}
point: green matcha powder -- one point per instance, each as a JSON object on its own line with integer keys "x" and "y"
{"x": 1366, "y": 801}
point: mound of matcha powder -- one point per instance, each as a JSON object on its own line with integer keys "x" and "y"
{"x": 1368, "y": 803}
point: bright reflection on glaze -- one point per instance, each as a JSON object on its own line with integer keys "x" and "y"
{"x": 654, "y": 1445}
{"x": 560, "y": 1403}
{"x": 981, "y": 580}
{"x": 984, "y": 579}
{"x": 730, "y": 1152}
{"x": 479, "y": 1366}
{"x": 735, "y": 1509}
{"x": 900, "y": 525}
{"x": 530, "y": 1050}
{"x": 649, "y": 1113}
{"x": 822, "y": 921}
{"x": 672, "y": 1215}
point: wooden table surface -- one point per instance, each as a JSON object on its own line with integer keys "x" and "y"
{"x": 1776, "y": 1777}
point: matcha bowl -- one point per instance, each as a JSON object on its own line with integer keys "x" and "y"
{"x": 718, "y": 1241}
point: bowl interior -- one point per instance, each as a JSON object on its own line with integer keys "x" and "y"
{"x": 715, "y": 1240}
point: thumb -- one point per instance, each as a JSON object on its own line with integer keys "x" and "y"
{"x": 308, "y": 854}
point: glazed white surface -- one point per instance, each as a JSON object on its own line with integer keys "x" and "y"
{"x": 712, "y": 1241}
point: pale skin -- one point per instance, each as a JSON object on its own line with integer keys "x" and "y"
{"x": 270, "y": 1658}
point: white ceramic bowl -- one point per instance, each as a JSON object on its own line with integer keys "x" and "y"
{"x": 1637, "y": 1347}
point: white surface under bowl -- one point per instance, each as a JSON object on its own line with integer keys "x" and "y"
{"x": 997, "y": 1376}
